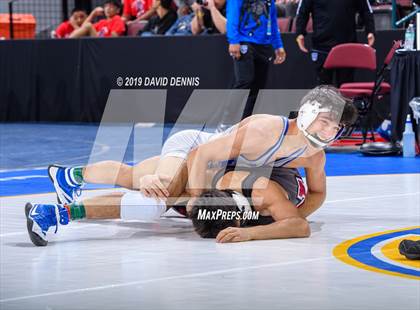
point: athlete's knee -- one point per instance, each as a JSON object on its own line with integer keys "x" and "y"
{"x": 135, "y": 206}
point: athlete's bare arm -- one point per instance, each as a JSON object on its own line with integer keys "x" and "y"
{"x": 253, "y": 136}
{"x": 316, "y": 182}
{"x": 288, "y": 222}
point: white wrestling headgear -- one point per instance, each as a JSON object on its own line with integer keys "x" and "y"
{"x": 322, "y": 99}
{"x": 308, "y": 112}
{"x": 243, "y": 205}
{"x": 242, "y": 202}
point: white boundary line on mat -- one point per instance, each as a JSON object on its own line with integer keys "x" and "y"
{"x": 185, "y": 276}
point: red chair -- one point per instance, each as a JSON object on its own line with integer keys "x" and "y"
{"x": 359, "y": 56}
{"x": 284, "y": 24}
{"x": 379, "y": 86}
{"x": 363, "y": 57}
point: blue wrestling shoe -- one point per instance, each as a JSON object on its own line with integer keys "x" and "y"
{"x": 39, "y": 219}
{"x": 66, "y": 187}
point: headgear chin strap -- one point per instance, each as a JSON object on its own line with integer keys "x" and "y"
{"x": 308, "y": 112}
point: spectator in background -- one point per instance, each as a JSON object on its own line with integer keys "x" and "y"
{"x": 76, "y": 20}
{"x": 334, "y": 22}
{"x": 289, "y": 7}
{"x": 111, "y": 26}
{"x": 209, "y": 17}
{"x": 134, "y": 9}
{"x": 254, "y": 43}
{"x": 183, "y": 24}
{"x": 281, "y": 10}
{"x": 137, "y": 10}
{"x": 163, "y": 20}
{"x": 184, "y": 7}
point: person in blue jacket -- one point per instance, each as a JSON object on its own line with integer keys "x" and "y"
{"x": 253, "y": 34}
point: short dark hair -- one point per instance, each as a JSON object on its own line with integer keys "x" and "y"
{"x": 78, "y": 10}
{"x": 114, "y": 2}
{"x": 350, "y": 114}
{"x": 166, "y": 4}
{"x": 209, "y": 202}
{"x": 330, "y": 97}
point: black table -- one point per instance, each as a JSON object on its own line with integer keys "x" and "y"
{"x": 405, "y": 81}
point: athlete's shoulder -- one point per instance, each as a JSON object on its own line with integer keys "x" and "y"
{"x": 317, "y": 160}
{"x": 266, "y": 117}
{"x": 266, "y": 124}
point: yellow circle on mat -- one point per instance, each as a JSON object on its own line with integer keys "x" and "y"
{"x": 390, "y": 250}
{"x": 340, "y": 252}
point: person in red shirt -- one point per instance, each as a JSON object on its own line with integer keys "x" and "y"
{"x": 77, "y": 18}
{"x": 111, "y": 26}
{"x": 135, "y": 9}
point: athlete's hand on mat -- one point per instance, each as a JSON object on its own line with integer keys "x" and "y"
{"x": 151, "y": 185}
{"x": 233, "y": 234}
{"x": 301, "y": 42}
{"x": 280, "y": 56}
{"x": 371, "y": 39}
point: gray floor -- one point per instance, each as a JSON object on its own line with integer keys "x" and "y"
{"x": 164, "y": 265}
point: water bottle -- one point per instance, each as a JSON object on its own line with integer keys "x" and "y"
{"x": 409, "y": 38}
{"x": 408, "y": 139}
